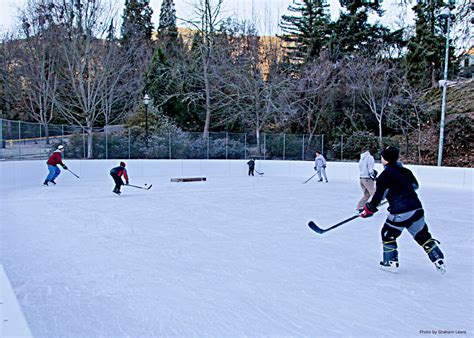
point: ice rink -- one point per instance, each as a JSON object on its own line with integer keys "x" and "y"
{"x": 232, "y": 257}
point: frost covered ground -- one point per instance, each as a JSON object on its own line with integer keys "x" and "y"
{"x": 232, "y": 256}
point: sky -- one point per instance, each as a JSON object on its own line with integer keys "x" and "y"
{"x": 265, "y": 13}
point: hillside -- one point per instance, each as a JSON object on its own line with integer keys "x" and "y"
{"x": 458, "y": 136}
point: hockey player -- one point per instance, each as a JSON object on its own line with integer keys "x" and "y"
{"x": 53, "y": 161}
{"x": 116, "y": 174}
{"x": 251, "y": 165}
{"x": 320, "y": 166}
{"x": 398, "y": 185}
{"x": 367, "y": 176}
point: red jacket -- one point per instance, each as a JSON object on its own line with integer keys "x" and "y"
{"x": 119, "y": 171}
{"x": 55, "y": 159}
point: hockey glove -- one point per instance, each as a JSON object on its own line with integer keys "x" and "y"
{"x": 374, "y": 174}
{"x": 316, "y": 169}
{"x": 324, "y": 166}
{"x": 65, "y": 167}
{"x": 368, "y": 211}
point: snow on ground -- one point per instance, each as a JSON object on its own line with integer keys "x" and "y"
{"x": 232, "y": 256}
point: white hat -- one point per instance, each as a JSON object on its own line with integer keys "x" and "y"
{"x": 60, "y": 147}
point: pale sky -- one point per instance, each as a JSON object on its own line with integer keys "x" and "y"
{"x": 265, "y": 13}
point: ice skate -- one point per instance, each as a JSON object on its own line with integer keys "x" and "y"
{"x": 390, "y": 266}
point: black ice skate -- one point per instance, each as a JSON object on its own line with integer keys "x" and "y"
{"x": 53, "y": 182}
{"x": 390, "y": 266}
{"x": 435, "y": 254}
{"x": 45, "y": 183}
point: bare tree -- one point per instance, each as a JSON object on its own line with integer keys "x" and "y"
{"x": 253, "y": 88}
{"x": 35, "y": 63}
{"x": 209, "y": 17}
{"x": 313, "y": 87}
{"x": 405, "y": 114}
{"x": 374, "y": 79}
{"x": 93, "y": 72}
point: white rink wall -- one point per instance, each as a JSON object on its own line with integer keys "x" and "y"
{"x": 27, "y": 173}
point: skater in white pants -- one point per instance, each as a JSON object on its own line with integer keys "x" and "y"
{"x": 320, "y": 166}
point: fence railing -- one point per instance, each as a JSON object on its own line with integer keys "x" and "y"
{"x": 25, "y": 140}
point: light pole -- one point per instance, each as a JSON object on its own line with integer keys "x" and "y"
{"x": 445, "y": 14}
{"x": 146, "y": 102}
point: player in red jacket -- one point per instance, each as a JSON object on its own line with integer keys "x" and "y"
{"x": 53, "y": 161}
{"x": 116, "y": 174}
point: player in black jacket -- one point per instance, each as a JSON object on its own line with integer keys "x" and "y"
{"x": 398, "y": 185}
{"x": 251, "y": 165}
{"x": 116, "y": 174}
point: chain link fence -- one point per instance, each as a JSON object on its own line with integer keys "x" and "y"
{"x": 27, "y": 141}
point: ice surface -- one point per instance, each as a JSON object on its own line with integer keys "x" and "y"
{"x": 232, "y": 256}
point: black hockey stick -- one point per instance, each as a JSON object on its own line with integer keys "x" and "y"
{"x": 258, "y": 173}
{"x": 309, "y": 179}
{"x": 138, "y": 187}
{"x": 318, "y": 230}
{"x": 72, "y": 172}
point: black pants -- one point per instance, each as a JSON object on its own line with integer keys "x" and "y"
{"x": 413, "y": 221}
{"x": 251, "y": 171}
{"x": 118, "y": 182}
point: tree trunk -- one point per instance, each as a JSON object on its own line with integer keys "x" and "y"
{"x": 380, "y": 132}
{"x": 208, "y": 99}
{"x": 46, "y": 131}
{"x": 89, "y": 142}
{"x": 257, "y": 134}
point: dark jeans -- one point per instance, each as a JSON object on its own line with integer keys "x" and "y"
{"x": 251, "y": 171}
{"x": 118, "y": 181}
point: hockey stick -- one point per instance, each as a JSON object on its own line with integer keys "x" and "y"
{"x": 72, "y": 172}
{"x": 258, "y": 173}
{"x": 138, "y": 187}
{"x": 309, "y": 179}
{"x": 318, "y": 230}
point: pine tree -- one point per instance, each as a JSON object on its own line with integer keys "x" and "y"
{"x": 137, "y": 25}
{"x": 425, "y": 57}
{"x": 352, "y": 32}
{"x": 305, "y": 34}
{"x": 167, "y": 27}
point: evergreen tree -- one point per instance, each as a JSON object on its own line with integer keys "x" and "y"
{"x": 352, "y": 33}
{"x": 137, "y": 25}
{"x": 167, "y": 26}
{"x": 425, "y": 57}
{"x": 305, "y": 34}
{"x": 164, "y": 80}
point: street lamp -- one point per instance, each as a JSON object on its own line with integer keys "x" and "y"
{"x": 146, "y": 102}
{"x": 445, "y": 14}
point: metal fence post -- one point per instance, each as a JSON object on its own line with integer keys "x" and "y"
{"x": 322, "y": 144}
{"x": 169, "y": 143}
{"x": 226, "y": 151}
{"x": 2, "y": 142}
{"x": 302, "y": 149}
{"x": 342, "y": 146}
{"x": 62, "y": 133}
{"x": 208, "y": 143}
{"x": 129, "y": 145}
{"x": 106, "y": 144}
{"x": 264, "y": 146}
{"x": 19, "y": 130}
{"x": 84, "y": 142}
{"x": 284, "y": 145}
{"x": 245, "y": 145}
